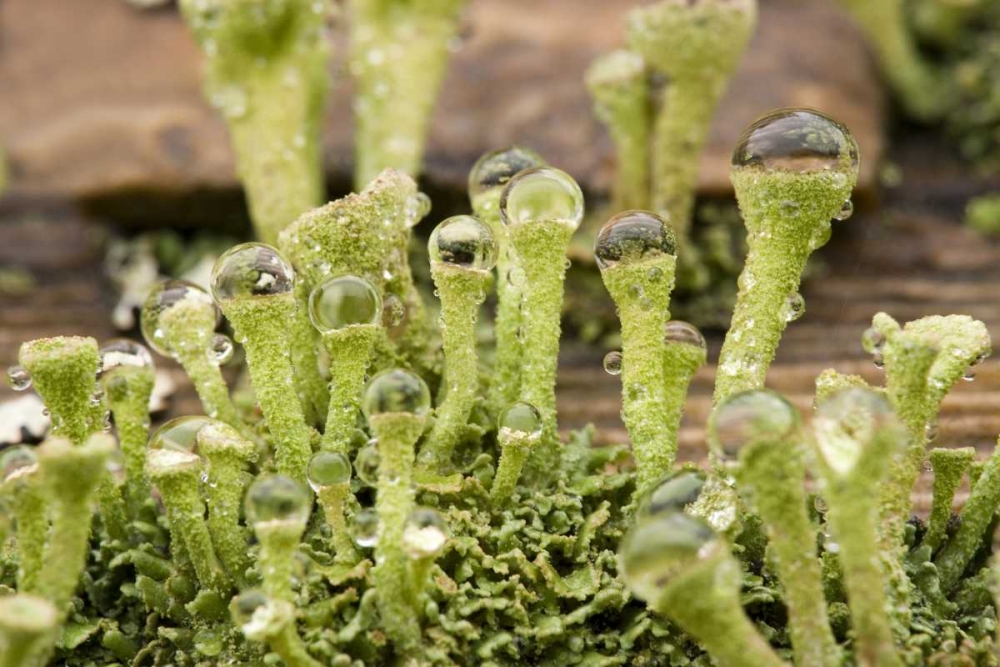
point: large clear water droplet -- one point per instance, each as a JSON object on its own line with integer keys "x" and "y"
{"x": 251, "y": 269}
{"x": 658, "y": 548}
{"x": 416, "y": 209}
{"x": 396, "y": 390}
{"x": 675, "y": 492}
{"x": 464, "y": 241}
{"x": 683, "y": 333}
{"x": 18, "y": 378}
{"x": 425, "y": 534}
{"x": 365, "y": 528}
{"x": 613, "y": 363}
{"x": 848, "y": 422}
{"x": 344, "y": 301}
{"x": 366, "y": 463}
{"x": 750, "y": 416}
{"x": 180, "y": 434}
{"x": 328, "y": 469}
{"x": 521, "y": 418}
{"x": 162, "y": 298}
{"x": 493, "y": 170}
{"x": 846, "y": 211}
{"x": 277, "y": 498}
{"x": 797, "y": 140}
{"x": 16, "y": 462}
{"x": 222, "y": 349}
{"x": 633, "y": 236}
{"x": 124, "y": 352}
{"x": 795, "y": 307}
{"x": 542, "y": 194}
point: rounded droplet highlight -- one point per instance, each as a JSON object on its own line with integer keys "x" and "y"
{"x": 847, "y": 422}
{"x": 365, "y": 528}
{"x": 425, "y": 534}
{"x": 396, "y": 390}
{"x": 366, "y": 463}
{"x": 465, "y": 242}
{"x": 276, "y": 498}
{"x": 658, "y": 548}
{"x": 613, "y": 363}
{"x": 542, "y": 194}
{"x": 522, "y": 419}
{"x": 161, "y": 299}
{"x": 18, "y": 378}
{"x": 493, "y": 170}
{"x": 124, "y": 352}
{"x": 845, "y": 212}
{"x": 634, "y": 236}
{"x": 180, "y": 434}
{"x": 674, "y": 493}
{"x": 328, "y": 469}
{"x": 750, "y": 416}
{"x": 17, "y": 462}
{"x": 251, "y": 269}
{"x": 344, "y": 301}
{"x": 795, "y": 307}
{"x": 416, "y": 209}
{"x": 222, "y": 349}
{"x": 683, "y": 333}
{"x": 797, "y": 140}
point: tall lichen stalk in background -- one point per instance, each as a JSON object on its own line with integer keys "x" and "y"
{"x": 399, "y": 51}
{"x": 265, "y": 70}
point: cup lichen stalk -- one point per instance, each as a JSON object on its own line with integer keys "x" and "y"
{"x": 695, "y": 47}
{"x": 518, "y": 430}
{"x": 949, "y": 466}
{"x": 23, "y": 486}
{"x": 636, "y": 251}
{"x": 856, "y": 436}
{"x": 765, "y": 429}
{"x": 277, "y": 509}
{"x": 266, "y": 71}
{"x": 330, "y": 477}
{"x": 686, "y": 352}
{"x": 487, "y": 179}
{"x": 399, "y": 51}
{"x": 29, "y": 626}
{"x": 463, "y": 251}
{"x": 265, "y": 619}
{"x": 253, "y": 284}
{"x": 793, "y": 171}
{"x": 541, "y": 208}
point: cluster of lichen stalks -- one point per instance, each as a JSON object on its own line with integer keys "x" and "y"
{"x": 467, "y": 532}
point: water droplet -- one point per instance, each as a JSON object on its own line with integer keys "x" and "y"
{"x": 931, "y": 431}
{"x": 790, "y": 208}
{"x": 344, "y": 301}
{"x": 797, "y": 140}
{"x": 416, "y": 209}
{"x": 366, "y": 463}
{"x": 542, "y": 194}
{"x": 819, "y": 504}
{"x": 277, "y": 498}
{"x": 465, "y": 242}
{"x": 425, "y": 534}
{"x": 517, "y": 277}
{"x": 613, "y": 363}
{"x": 246, "y": 605}
{"x": 750, "y": 416}
{"x": 396, "y": 390}
{"x": 847, "y": 422}
{"x": 872, "y": 341}
{"x": 16, "y": 462}
{"x": 493, "y": 170}
{"x": 251, "y": 269}
{"x": 328, "y": 469}
{"x": 180, "y": 434}
{"x": 678, "y": 331}
{"x": 365, "y": 528}
{"x": 161, "y": 299}
{"x": 633, "y": 236}
{"x": 795, "y": 307}
{"x": 18, "y": 378}
{"x": 393, "y": 311}
{"x": 658, "y": 548}
{"x": 675, "y": 492}
{"x": 846, "y": 211}
{"x": 125, "y": 352}
{"x": 221, "y": 348}
{"x": 521, "y": 418}
{"x": 969, "y": 374}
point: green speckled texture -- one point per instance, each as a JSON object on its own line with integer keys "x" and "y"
{"x": 63, "y": 372}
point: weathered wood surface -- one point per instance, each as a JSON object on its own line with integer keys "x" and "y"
{"x": 100, "y": 98}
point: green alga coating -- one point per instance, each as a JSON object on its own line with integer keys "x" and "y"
{"x": 514, "y": 449}
{"x": 399, "y": 51}
{"x": 397, "y": 435}
{"x": 696, "y": 48}
{"x": 704, "y": 600}
{"x": 260, "y": 323}
{"x": 229, "y": 457}
{"x": 70, "y": 474}
{"x": 266, "y": 71}
{"x": 950, "y": 466}
{"x": 923, "y": 91}
{"x": 177, "y": 476}
{"x": 462, "y": 291}
{"x": 350, "y": 350}
{"x": 680, "y": 362}
{"x": 188, "y": 327}
{"x": 279, "y": 540}
{"x": 63, "y": 372}
{"x": 618, "y": 83}
{"x": 541, "y": 246}
{"x": 29, "y": 503}
{"x": 787, "y": 216}
{"x": 127, "y": 390}
{"x": 28, "y": 628}
{"x": 773, "y": 473}
{"x": 641, "y": 290}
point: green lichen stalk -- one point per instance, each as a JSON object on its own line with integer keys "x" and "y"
{"x": 127, "y": 390}
{"x": 350, "y": 350}
{"x": 949, "y": 466}
{"x": 399, "y": 51}
{"x": 265, "y": 70}
{"x": 23, "y": 488}
{"x": 63, "y": 371}
{"x": 28, "y": 629}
